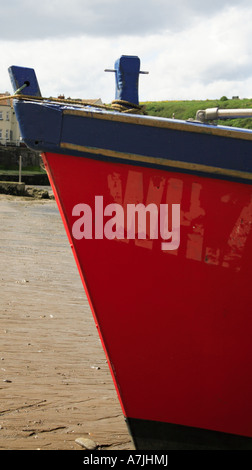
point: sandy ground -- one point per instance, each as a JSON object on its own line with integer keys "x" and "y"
{"x": 55, "y": 384}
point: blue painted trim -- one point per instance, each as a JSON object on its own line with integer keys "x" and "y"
{"x": 171, "y": 144}
{"x": 157, "y": 166}
{"x": 44, "y": 126}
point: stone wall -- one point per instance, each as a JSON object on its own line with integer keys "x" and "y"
{"x": 37, "y": 179}
{"x": 31, "y": 161}
{"x": 9, "y": 157}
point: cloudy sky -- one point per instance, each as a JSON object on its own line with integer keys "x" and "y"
{"x": 193, "y": 49}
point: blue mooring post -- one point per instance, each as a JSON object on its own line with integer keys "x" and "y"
{"x": 127, "y": 70}
{"x": 21, "y": 76}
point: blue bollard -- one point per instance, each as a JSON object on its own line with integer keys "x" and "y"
{"x": 21, "y": 76}
{"x": 127, "y": 70}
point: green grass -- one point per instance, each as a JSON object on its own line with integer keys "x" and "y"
{"x": 25, "y": 170}
{"x": 187, "y": 109}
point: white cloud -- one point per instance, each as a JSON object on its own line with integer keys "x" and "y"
{"x": 205, "y": 59}
{"x": 103, "y": 18}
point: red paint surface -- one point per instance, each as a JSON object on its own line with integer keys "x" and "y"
{"x": 176, "y": 326}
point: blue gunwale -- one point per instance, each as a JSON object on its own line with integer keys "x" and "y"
{"x": 174, "y": 145}
{"x": 166, "y": 123}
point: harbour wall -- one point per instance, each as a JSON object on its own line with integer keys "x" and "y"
{"x": 9, "y": 157}
{"x": 32, "y": 172}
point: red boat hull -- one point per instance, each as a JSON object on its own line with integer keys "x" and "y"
{"x": 176, "y": 324}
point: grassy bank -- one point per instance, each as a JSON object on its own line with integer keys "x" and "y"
{"x": 14, "y": 169}
{"x": 15, "y": 172}
{"x": 29, "y": 175}
{"x": 188, "y": 109}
